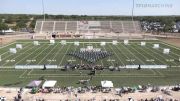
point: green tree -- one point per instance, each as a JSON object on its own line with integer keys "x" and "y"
{"x": 21, "y": 24}
{"x": 168, "y": 22}
{"x": 3, "y": 26}
{"x": 9, "y": 20}
{"x": 33, "y": 23}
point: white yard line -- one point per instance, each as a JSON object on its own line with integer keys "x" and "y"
{"x": 40, "y": 53}
{"x": 161, "y": 42}
{"x": 29, "y": 73}
{"x": 47, "y": 54}
{"x": 170, "y": 45}
{"x": 109, "y": 56}
{"x": 154, "y": 73}
{"x": 138, "y": 57}
{"x": 165, "y": 57}
{"x": 7, "y": 45}
{"x": 171, "y": 55}
{"x": 144, "y": 55}
{"x": 153, "y": 56}
{"x": 64, "y": 55}
{"x": 157, "y": 54}
{"x": 123, "y": 53}
{"x": 116, "y": 55}
{"x": 29, "y": 54}
{"x": 21, "y": 76}
{"x": 15, "y": 56}
{"x": 57, "y": 53}
{"x": 134, "y": 55}
{"x": 11, "y": 54}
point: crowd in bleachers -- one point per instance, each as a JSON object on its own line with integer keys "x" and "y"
{"x": 152, "y": 26}
{"x": 158, "y": 27}
{"x": 123, "y": 91}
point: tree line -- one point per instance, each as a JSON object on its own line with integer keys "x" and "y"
{"x": 17, "y": 21}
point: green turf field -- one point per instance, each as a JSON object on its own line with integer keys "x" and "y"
{"x": 132, "y": 54}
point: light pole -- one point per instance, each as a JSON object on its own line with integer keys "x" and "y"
{"x": 43, "y": 9}
{"x": 132, "y": 11}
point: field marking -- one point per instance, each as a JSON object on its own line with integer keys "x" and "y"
{"x": 116, "y": 55}
{"x": 109, "y": 56}
{"x": 134, "y": 54}
{"x": 40, "y": 52}
{"x": 160, "y": 73}
{"x": 47, "y": 53}
{"x": 137, "y": 56}
{"x": 169, "y": 55}
{"x": 21, "y": 76}
{"x": 64, "y": 55}
{"x": 124, "y": 54}
{"x": 70, "y": 42}
{"x": 13, "y": 54}
{"x": 17, "y": 55}
{"x": 7, "y": 45}
{"x": 77, "y": 76}
{"x": 169, "y": 45}
{"x": 6, "y": 70}
{"x": 29, "y": 73}
{"x": 57, "y": 53}
{"x": 142, "y": 54}
{"x": 172, "y": 47}
{"x": 159, "y": 54}
{"x": 171, "y": 52}
{"x": 154, "y": 56}
{"x": 30, "y": 54}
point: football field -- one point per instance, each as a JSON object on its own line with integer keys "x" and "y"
{"x": 56, "y": 54}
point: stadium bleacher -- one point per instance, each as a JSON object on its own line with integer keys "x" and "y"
{"x": 88, "y": 27}
{"x": 59, "y": 26}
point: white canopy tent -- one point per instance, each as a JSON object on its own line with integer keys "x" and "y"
{"x": 107, "y": 84}
{"x": 34, "y": 83}
{"x": 49, "y": 84}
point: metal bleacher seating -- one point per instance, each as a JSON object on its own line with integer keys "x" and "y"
{"x": 88, "y": 27}
{"x": 60, "y": 26}
{"x": 71, "y": 26}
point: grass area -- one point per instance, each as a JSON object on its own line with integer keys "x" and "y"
{"x": 132, "y": 54}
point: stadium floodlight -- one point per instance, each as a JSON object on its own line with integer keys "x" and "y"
{"x": 133, "y": 11}
{"x": 43, "y": 9}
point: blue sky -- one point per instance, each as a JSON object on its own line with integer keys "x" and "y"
{"x": 89, "y": 7}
